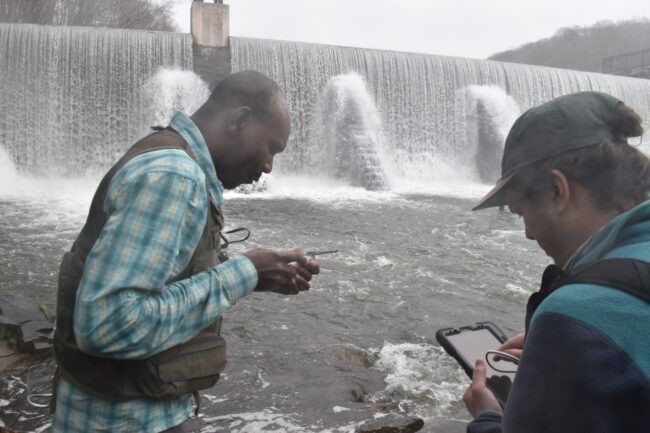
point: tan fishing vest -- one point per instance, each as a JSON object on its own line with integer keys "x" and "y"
{"x": 185, "y": 368}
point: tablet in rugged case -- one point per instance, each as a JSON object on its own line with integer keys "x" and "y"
{"x": 469, "y": 343}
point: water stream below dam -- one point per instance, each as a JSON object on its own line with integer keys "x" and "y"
{"x": 407, "y": 265}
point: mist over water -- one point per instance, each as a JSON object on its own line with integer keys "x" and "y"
{"x": 350, "y": 135}
{"x": 490, "y": 114}
{"x": 170, "y": 90}
{"x": 382, "y": 164}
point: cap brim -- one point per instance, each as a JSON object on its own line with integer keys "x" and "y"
{"x": 496, "y": 196}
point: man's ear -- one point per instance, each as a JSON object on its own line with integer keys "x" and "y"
{"x": 239, "y": 117}
{"x": 561, "y": 190}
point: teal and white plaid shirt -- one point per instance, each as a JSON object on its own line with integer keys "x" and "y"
{"x": 157, "y": 207}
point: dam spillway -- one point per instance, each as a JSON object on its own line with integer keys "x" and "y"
{"x": 74, "y": 98}
{"x": 427, "y": 104}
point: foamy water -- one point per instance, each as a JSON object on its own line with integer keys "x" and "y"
{"x": 422, "y": 371}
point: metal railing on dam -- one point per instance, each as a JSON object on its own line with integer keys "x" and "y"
{"x": 626, "y": 61}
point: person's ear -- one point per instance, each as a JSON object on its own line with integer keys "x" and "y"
{"x": 239, "y": 117}
{"x": 561, "y": 190}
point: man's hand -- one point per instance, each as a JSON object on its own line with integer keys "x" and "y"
{"x": 284, "y": 272}
{"x": 478, "y": 397}
{"x": 514, "y": 346}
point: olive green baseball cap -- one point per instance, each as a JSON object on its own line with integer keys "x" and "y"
{"x": 566, "y": 123}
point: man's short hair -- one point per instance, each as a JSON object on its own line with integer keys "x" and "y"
{"x": 247, "y": 88}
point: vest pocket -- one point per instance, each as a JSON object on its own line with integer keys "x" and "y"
{"x": 203, "y": 356}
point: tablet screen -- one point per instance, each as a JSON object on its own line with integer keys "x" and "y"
{"x": 472, "y": 345}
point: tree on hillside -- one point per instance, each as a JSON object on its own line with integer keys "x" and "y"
{"x": 28, "y": 11}
{"x": 582, "y": 48}
{"x": 131, "y": 14}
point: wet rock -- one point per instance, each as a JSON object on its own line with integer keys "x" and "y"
{"x": 6, "y": 349}
{"x": 393, "y": 424}
{"x": 8, "y": 329}
{"x": 8, "y": 356}
{"x": 20, "y": 310}
{"x": 35, "y": 336}
{"x": 356, "y": 356}
{"x": 24, "y": 325}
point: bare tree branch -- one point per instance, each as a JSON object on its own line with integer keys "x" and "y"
{"x": 132, "y": 14}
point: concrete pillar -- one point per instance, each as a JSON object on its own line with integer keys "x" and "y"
{"x": 210, "y": 23}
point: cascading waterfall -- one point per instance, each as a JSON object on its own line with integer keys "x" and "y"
{"x": 427, "y": 104}
{"x": 170, "y": 90}
{"x": 73, "y": 97}
{"x": 349, "y": 131}
{"x": 490, "y": 112}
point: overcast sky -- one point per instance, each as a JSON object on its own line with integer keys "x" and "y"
{"x": 463, "y": 28}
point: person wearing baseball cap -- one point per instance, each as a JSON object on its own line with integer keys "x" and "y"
{"x": 582, "y": 191}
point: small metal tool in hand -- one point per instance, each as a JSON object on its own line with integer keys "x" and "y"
{"x": 313, "y": 254}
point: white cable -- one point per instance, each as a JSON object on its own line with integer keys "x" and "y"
{"x": 503, "y": 355}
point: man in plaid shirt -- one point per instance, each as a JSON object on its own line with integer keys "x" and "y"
{"x": 132, "y": 298}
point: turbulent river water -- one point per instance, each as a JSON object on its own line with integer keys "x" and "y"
{"x": 407, "y": 265}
